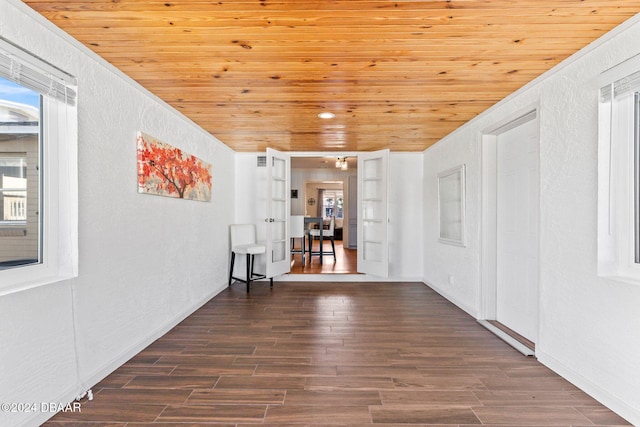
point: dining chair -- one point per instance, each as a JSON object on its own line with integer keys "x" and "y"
{"x": 297, "y": 231}
{"x": 323, "y": 234}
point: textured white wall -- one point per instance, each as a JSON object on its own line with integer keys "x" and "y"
{"x": 588, "y": 325}
{"x": 145, "y": 261}
{"x": 405, "y": 215}
{"x": 405, "y": 208}
{"x": 444, "y": 261}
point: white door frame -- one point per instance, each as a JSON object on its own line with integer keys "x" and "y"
{"x": 357, "y": 155}
{"x": 488, "y": 258}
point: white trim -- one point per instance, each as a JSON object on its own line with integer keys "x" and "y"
{"x": 119, "y": 360}
{"x": 461, "y": 171}
{"x": 622, "y": 408}
{"x": 60, "y": 199}
{"x": 487, "y": 297}
{"x": 36, "y": 74}
{"x": 337, "y": 277}
{"x": 470, "y": 310}
{"x": 617, "y": 72}
{"x": 616, "y": 145}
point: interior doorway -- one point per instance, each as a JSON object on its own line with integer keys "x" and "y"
{"x": 325, "y": 187}
{"x": 511, "y": 229}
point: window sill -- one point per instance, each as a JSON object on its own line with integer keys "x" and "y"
{"x": 629, "y": 280}
{"x": 30, "y": 283}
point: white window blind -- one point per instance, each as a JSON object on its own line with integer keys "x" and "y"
{"x": 35, "y": 74}
{"x": 620, "y": 87}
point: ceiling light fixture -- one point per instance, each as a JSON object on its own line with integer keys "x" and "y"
{"x": 341, "y": 163}
{"x": 326, "y": 115}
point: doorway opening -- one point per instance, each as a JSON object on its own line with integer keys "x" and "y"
{"x": 323, "y": 187}
{"x": 510, "y": 230}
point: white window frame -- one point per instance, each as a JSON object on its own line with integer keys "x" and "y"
{"x": 59, "y": 187}
{"x": 451, "y": 205}
{"x": 616, "y": 172}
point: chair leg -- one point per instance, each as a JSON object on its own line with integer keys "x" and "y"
{"x": 333, "y": 247}
{"x": 249, "y": 271}
{"x": 233, "y": 258}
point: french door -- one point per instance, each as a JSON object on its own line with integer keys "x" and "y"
{"x": 278, "y": 209}
{"x": 373, "y": 213}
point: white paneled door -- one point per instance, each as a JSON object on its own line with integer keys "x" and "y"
{"x": 517, "y": 198}
{"x": 278, "y": 207}
{"x": 373, "y": 216}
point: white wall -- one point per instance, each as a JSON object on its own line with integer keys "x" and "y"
{"x": 145, "y": 261}
{"x": 588, "y": 325}
{"x": 405, "y": 209}
{"x": 300, "y": 176}
{"x": 405, "y": 215}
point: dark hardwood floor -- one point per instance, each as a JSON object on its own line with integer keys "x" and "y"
{"x": 327, "y": 354}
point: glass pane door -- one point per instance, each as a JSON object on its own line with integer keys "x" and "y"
{"x": 373, "y": 254}
{"x": 278, "y": 210}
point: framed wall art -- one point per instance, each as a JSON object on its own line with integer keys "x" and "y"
{"x": 165, "y": 170}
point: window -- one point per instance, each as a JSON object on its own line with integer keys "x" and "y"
{"x": 20, "y": 238}
{"x": 38, "y": 182}
{"x": 619, "y": 174}
{"x": 13, "y": 188}
{"x": 332, "y": 203}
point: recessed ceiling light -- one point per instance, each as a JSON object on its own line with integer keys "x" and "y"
{"x": 326, "y": 115}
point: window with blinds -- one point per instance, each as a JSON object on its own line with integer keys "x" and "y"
{"x": 35, "y": 74}
{"x": 619, "y": 173}
{"x": 38, "y": 143}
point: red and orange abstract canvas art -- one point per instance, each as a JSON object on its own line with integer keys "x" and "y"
{"x": 165, "y": 170}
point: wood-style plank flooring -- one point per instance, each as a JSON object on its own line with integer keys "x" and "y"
{"x": 346, "y": 261}
{"x": 333, "y": 354}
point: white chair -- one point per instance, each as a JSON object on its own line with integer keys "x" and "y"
{"x": 326, "y": 234}
{"x": 244, "y": 242}
{"x": 297, "y": 231}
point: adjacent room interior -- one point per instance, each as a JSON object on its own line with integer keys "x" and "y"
{"x": 325, "y": 187}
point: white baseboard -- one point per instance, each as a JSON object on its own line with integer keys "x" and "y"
{"x": 334, "y": 277}
{"x": 101, "y": 373}
{"x": 471, "y": 311}
{"x": 620, "y": 407}
{"x": 38, "y": 418}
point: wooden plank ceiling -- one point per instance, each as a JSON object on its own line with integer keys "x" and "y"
{"x": 400, "y": 74}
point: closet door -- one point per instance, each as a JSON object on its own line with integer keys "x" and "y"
{"x": 517, "y": 212}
